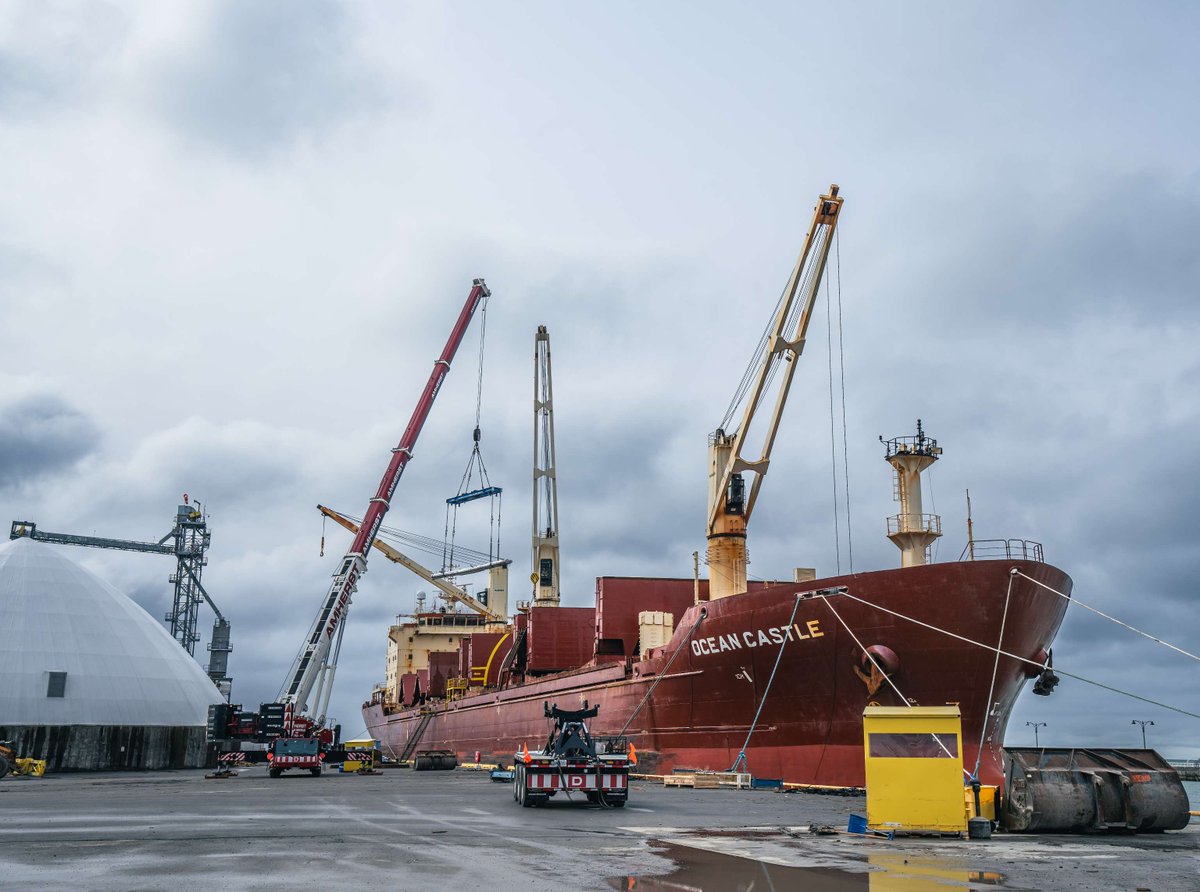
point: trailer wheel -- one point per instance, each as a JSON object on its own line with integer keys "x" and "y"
{"x": 423, "y": 763}
{"x": 523, "y": 796}
{"x": 517, "y": 771}
{"x": 316, "y": 772}
{"x": 275, "y": 772}
{"x": 447, "y": 763}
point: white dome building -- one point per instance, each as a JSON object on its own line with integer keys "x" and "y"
{"x": 88, "y": 679}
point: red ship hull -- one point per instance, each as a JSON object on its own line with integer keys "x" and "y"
{"x": 809, "y": 730}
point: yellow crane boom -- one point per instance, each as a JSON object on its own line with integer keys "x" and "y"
{"x": 729, "y": 502}
{"x": 452, "y": 593}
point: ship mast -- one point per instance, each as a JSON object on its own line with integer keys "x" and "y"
{"x": 545, "y": 575}
{"x": 911, "y": 530}
{"x": 729, "y": 504}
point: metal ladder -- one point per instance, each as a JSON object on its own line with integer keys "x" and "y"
{"x": 416, "y": 736}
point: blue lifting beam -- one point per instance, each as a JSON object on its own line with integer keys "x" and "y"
{"x": 474, "y": 494}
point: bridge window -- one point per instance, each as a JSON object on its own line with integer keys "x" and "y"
{"x": 57, "y": 686}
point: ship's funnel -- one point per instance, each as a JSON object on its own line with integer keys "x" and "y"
{"x": 911, "y": 530}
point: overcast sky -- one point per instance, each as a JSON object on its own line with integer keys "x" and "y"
{"x": 235, "y": 235}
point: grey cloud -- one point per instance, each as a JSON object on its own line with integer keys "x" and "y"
{"x": 265, "y": 74}
{"x": 1125, "y": 243}
{"x": 41, "y": 435}
{"x": 56, "y": 52}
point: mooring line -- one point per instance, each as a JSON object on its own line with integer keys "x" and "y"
{"x": 871, "y": 657}
{"x": 1106, "y": 616}
{"x": 1030, "y": 662}
{"x": 741, "y": 756}
{"x": 995, "y": 670}
{"x": 665, "y": 670}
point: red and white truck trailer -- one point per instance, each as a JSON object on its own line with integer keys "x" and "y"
{"x": 305, "y": 753}
{"x": 572, "y": 761}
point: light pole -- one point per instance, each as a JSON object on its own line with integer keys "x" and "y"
{"x": 1143, "y": 724}
{"x": 1037, "y": 725}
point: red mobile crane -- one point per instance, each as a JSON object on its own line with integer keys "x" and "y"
{"x": 316, "y": 662}
{"x": 277, "y": 725}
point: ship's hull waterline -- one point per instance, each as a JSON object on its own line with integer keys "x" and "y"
{"x": 810, "y": 727}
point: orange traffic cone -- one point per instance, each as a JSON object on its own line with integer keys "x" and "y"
{"x": 632, "y": 754}
{"x": 526, "y": 758}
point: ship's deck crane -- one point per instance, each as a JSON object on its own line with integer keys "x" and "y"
{"x": 187, "y": 542}
{"x": 452, "y": 593}
{"x": 729, "y": 505}
{"x": 316, "y": 663}
{"x": 546, "y": 573}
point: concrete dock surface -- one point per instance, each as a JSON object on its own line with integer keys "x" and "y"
{"x": 456, "y": 830}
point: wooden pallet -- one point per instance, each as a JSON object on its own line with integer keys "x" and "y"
{"x": 708, "y": 780}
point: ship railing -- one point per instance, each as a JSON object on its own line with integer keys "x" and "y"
{"x": 608, "y": 746}
{"x": 1003, "y": 550}
{"x": 918, "y": 445}
{"x": 914, "y": 523}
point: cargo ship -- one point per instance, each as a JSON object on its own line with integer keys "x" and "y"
{"x": 810, "y": 727}
{"x": 725, "y": 673}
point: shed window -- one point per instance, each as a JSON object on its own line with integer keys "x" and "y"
{"x": 57, "y": 686}
{"x": 913, "y": 746}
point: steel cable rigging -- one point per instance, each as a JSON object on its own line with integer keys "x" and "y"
{"x": 475, "y": 485}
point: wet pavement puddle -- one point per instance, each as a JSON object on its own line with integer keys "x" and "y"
{"x": 700, "y": 868}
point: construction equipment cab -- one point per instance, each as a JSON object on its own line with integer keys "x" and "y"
{"x": 296, "y": 752}
{"x": 572, "y": 761}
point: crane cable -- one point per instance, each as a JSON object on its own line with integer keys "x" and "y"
{"x": 837, "y": 526}
{"x": 424, "y": 544}
{"x": 757, "y": 358}
{"x": 837, "y": 244}
{"x": 474, "y": 461}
